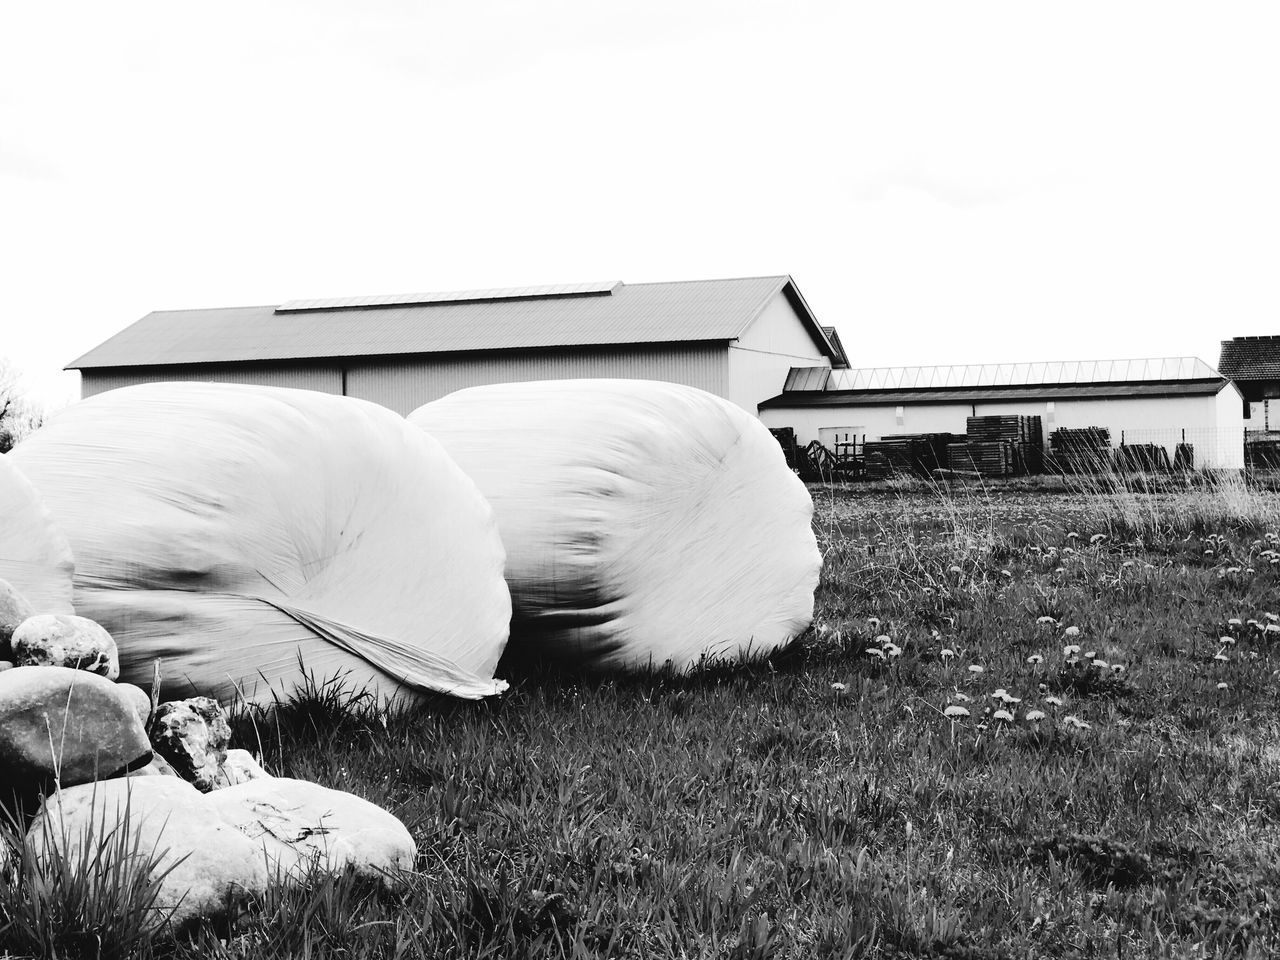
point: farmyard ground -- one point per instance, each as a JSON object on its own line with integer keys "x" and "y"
{"x": 859, "y": 795}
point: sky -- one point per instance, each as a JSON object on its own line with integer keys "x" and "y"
{"x": 946, "y": 182}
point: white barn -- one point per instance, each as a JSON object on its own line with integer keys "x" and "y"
{"x": 736, "y": 338}
{"x": 1161, "y": 401}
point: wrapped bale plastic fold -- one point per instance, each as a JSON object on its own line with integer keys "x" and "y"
{"x": 35, "y": 557}
{"x": 233, "y": 531}
{"x": 644, "y": 522}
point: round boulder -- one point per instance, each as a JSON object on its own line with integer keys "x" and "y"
{"x": 65, "y": 640}
{"x": 64, "y": 725}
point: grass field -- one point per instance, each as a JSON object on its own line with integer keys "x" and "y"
{"x": 882, "y": 789}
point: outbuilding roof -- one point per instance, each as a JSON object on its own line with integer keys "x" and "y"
{"x": 1026, "y": 391}
{"x": 599, "y": 314}
{"x": 1250, "y": 358}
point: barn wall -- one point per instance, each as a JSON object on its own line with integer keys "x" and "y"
{"x": 1213, "y": 425}
{"x": 324, "y": 378}
{"x": 760, "y": 358}
{"x": 405, "y": 384}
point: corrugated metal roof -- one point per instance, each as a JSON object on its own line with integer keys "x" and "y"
{"x": 1012, "y": 374}
{"x": 1250, "y": 358}
{"x": 695, "y": 310}
{"x": 1089, "y": 391}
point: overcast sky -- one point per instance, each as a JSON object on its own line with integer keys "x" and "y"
{"x": 946, "y": 182}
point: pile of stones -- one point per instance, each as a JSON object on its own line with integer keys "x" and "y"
{"x": 100, "y": 755}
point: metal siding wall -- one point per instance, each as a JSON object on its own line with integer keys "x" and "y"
{"x": 326, "y": 379}
{"x": 404, "y": 385}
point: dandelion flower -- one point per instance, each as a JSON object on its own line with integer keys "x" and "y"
{"x": 1227, "y": 640}
{"x": 1222, "y": 686}
{"x": 1045, "y": 620}
{"x": 1089, "y": 654}
{"x": 1272, "y": 628}
{"x": 1035, "y": 658}
{"x": 1117, "y": 668}
{"x": 946, "y": 653}
{"x": 1002, "y": 715}
{"x": 838, "y": 687}
{"x": 883, "y": 639}
{"x": 1034, "y": 715}
{"x": 1076, "y": 722}
{"x": 1006, "y": 573}
{"x": 955, "y": 569}
{"x": 1053, "y": 701}
{"x": 1233, "y": 622}
{"x": 892, "y": 649}
{"x": 1097, "y": 538}
{"x": 1072, "y": 535}
{"x": 1071, "y": 632}
{"x": 1274, "y": 618}
{"x": 1101, "y": 664}
{"x": 875, "y": 652}
{"x": 874, "y": 622}
{"x": 974, "y": 668}
{"x": 954, "y": 711}
{"x": 1071, "y": 649}
{"x": 964, "y": 698}
{"x": 1221, "y": 657}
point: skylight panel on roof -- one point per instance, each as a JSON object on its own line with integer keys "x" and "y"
{"x": 554, "y": 291}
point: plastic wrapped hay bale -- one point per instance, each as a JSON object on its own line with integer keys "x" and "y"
{"x": 35, "y": 558}
{"x": 234, "y": 530}
{"x": 644, "y": 522}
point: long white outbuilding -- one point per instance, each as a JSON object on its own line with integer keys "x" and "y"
{"x": 1166, "y": 401}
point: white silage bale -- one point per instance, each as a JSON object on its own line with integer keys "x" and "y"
{"x": 645, "y": 523}
{"x": 35, "y": 558}
{"x": 232, "y": 530}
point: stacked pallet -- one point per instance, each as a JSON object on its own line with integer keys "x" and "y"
{"x": 1002, "y": 445}
{"x": 1143, "y": 458}
{"x": 938, "y": 443}
{"x": 906, "y": 453}
{"x": 1081, "y": 449}
{"x": 989, "y": 458}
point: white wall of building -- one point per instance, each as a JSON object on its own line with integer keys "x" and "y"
{"x": 1213, "y": 425}
{"x": 761, "y": 358}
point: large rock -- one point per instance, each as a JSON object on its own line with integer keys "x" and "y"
{"x": 69, "y": 725}
{"x": 193, "y": 736}
{"x": 14, "y": 608}
{"x": 297, "y": 822}
{"x": 65, "y": 640}
{"x": 233, "y": 841}
{"x": 213, "y": 866}
{"x": 140, "y": 699}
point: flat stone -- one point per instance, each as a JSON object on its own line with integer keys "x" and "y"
{"x": 234, "y": 840}
{"x": 14, "y": 608}
{"x": 297, "y": 823}
{"x": 72, "y": 725}
{"x": 214, "y": 865}
{"x": 65, "y": 640}
{"x": 193, "y": 736}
